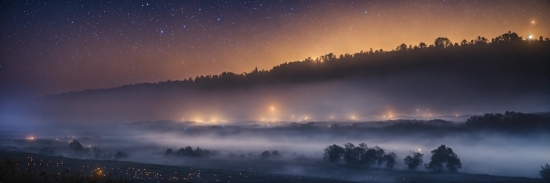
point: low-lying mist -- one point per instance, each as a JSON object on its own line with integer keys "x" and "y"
{"x": 239, "y": 145}
{"x": 399, "y": 96}
{"x": 403, "y": 101}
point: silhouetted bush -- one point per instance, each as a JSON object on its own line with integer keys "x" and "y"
{"x": 414, "y": 161}
{"x": 444, "y": 159}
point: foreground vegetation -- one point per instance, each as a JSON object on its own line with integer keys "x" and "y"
{"x": 226, "y": 171}
{"x": 25, "y": 167}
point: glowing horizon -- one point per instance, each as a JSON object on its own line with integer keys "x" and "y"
{"x": 128, "y": 48}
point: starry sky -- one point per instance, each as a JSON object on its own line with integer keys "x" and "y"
{"x": 50, "y": 47}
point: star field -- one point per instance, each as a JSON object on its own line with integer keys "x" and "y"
{"x": 50, "y": 47}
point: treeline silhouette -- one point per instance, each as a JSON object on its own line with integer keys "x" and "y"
{"x": 508, "y": 56}
{"x": 360, "y": 156}
{"x": 511, "y": 121}
{"x": 77, "y": 150}
{"x": 189, "y": 152}
{"x": 443, "y": 158}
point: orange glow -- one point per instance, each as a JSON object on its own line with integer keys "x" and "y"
{"x": 299, "y": 35}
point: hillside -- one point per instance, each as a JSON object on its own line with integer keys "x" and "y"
{"x": 507, "y": 74}
{"x": 507, "y": 62}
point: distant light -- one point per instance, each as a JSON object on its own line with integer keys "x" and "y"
{"x": 533, "y": 22}
{"x": 530, "y": 36}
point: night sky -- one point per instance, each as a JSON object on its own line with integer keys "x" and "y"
{"x": 50, "y": 47}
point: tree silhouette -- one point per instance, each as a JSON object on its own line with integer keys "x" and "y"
{"x": 276, "y": 154}
{"x": 481, "y": 40}
{"x": 349, "y": 154}
{"x": 545, "y": 173}
{"x": 369, "y": 158}
{"x": 390, "y": 160}
{"x": 508, "y": 37}
{"x": 414, "y": 161}
{"x": 379, "y": 155}
{"x": 442, "y": 42}
{"x": 169, "y": 152}
{"x": 333, "y": 153}
{"x": 401, "y": 47}
{"x": 265, "y": 154}
{"x": 444, "y": 159}
{"x": 422, "y": 45}
{"x": 510, "y": 121}
{"x": 359, "y": 155}
{"x": 76, "y": 146}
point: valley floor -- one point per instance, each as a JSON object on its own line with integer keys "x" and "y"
{"x": 140, "y": 172}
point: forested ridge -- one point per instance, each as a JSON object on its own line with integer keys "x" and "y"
{"x": 506, "y": 58}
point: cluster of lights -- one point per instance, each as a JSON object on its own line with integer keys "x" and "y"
{"x": 272, "y": 111}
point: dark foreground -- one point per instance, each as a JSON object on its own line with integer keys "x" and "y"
{"x": 40, "y": 168}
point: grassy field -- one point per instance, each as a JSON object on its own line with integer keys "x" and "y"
{"x": 51, "y": 169}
